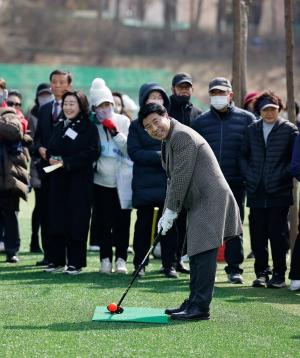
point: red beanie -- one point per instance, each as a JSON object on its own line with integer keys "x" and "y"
{"x": 250, "y": 97}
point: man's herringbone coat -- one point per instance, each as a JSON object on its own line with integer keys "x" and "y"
{"x": 196, "y": 182}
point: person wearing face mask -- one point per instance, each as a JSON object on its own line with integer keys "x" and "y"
{"x": 265, "y": 158}
{"x": 43, "y": 96}
{"x": 149, "y": 184}
{"x": 224, "y": 126}
{"x": 184, "y": 112}
{"x": 110, "y": 223}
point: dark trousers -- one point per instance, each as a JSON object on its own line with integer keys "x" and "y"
{"x": 142, "y": 238}
{"x": 202, "y": 278}
{"x": 10, "y": 231}
{"x": 1, "y": 229}
{"x": 295, "y": 259}
{"x": 72, "y": 253}
{"x": 110, "y": 224}
{"x": 268, "y": 224}
{"x": 44, "y": 219}
{"x": 234, "y": 252}
{"x": 181, "y": 233}
{"x": 36, "y": 219}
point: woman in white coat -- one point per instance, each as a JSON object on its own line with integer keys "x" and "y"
{"x": 110, "y": 223}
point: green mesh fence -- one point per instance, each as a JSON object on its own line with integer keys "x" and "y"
{"x": 125, "y": 80}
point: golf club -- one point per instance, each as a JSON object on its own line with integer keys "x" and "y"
{"x": 116, "y": 308}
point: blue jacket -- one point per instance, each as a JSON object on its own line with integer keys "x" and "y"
{"x": 225, "y": 133}
{"x": 149, "y": 180}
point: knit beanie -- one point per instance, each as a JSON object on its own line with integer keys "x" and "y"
{"x": 100, "y": 93}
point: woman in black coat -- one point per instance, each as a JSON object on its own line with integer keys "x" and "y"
{"x": 265, "y": 160}
{"x": 75, "y": 145}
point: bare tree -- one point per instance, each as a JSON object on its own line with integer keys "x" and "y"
{"x": 240, "y": 37}
{"x": 195, "y": 15}
{"x": 117, "y": 11}
{"x": 170, "y": 15}
{"x": 221, "y": 20}
{"x": 141, "y": 9}
{"x": 289, "y": 40}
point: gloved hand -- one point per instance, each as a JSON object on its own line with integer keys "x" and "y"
{"x": 166, "y": 221}
{"x": 110, "y": 126}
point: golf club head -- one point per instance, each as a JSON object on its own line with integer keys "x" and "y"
{"x": 119, "y": 310}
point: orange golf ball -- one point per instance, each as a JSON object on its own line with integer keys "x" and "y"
{"x": 112, "y": 307}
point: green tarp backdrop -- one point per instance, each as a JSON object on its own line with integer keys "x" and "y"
{"x": 27, "y": 77}
{"x": 125, "y": 80}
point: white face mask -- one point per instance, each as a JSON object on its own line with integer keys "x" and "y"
{"x": 219, "y": 102}
{"x": 45, "y": 99}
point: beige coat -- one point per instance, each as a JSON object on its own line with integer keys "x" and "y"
{"x": 195, "y": 181}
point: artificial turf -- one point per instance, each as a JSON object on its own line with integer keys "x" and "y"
{"x": 50, "y": 315}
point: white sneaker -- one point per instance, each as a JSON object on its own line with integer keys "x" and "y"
{"x": 106, "y": 266}
{"x": 121, "y": 266}
{"x": 94, "y": 248}
{"x": 295, "y": 285}
{"x": 185, "y": 258}
{"x": 2, "y": 247}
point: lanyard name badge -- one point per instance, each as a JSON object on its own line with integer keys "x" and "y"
{"x": 71, "y": 133}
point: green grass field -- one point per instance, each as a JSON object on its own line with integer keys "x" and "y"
{"x": 49, "y": 315}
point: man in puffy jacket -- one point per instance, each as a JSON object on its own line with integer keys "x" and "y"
{"x": 224, "y": 126}
{"x": 149, "y": 184}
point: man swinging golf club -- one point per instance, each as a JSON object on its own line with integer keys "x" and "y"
{"x": 195, "y": 182}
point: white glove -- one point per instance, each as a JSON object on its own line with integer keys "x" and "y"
{"x": 166, "y": 221}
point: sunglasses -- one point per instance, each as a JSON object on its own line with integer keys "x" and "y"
{"x": 14, "y": 104}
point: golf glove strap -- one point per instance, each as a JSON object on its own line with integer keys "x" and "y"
{"x": 166, "y": 221}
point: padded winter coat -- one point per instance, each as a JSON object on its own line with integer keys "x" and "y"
{"x": 13, "y": 156}
{"x": 225, "y": 135}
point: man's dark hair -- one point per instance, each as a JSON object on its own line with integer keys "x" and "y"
{"x": 149, "y": 109}
{"x": 61, "y": 73}
{"x": 82, "y": 102}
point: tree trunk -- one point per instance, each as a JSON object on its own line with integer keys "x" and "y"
{"x": 237, "y": 47}
{"x": 195, "y": 22}
{"x": 289, "y": 40}
{"x": 117, "y": 11}
{"x": 239, "y": 64}
{"x": 221, "y": 22}
{"x": 170, "y": 14}
{"x": 141, "y": 10}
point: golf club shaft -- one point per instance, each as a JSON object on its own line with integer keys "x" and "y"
{"x": 156, "y": 240}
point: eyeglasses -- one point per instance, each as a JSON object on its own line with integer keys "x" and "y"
{"x": 14, "y": 104}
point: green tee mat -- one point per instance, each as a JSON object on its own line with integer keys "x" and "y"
{"x": 132, "y": 314}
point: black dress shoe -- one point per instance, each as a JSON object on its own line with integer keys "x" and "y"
{"x": 35, "y": 249}
{"x": 170, "y": 272}
{"x": 43, "y": 262}
{"x": 191, "y": 313}
{"x": 180, "y": 268}
{"x": 182, "y": 307}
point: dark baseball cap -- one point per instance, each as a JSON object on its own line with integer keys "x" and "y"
{"x": 220, "y": 83}
{"x": 182, "y": 78}
{"x": 43, "y": 88}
